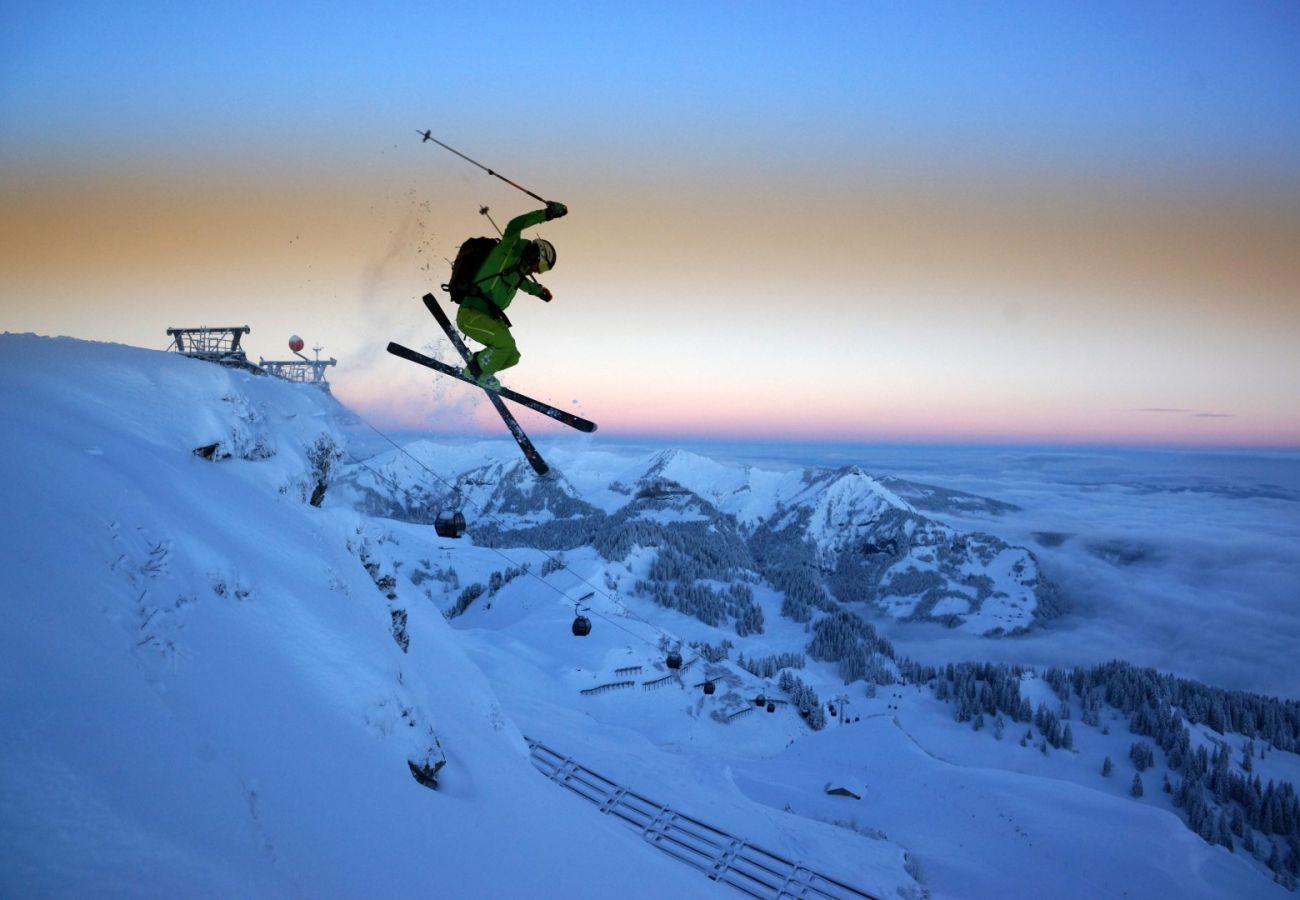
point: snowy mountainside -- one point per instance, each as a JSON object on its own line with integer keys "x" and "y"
{"x": 416, "y": 482}
{"x": 868, "y": 544}
{"x": 211, "y": 687}
{"x": 929, "y": 498}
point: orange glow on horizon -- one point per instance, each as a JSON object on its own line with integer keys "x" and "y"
{"x": 933, "y": 312}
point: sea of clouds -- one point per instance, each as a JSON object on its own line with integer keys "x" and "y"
{"x": 1187, "y": 561}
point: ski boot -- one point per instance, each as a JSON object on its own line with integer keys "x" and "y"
{"x": 485, "y": 381}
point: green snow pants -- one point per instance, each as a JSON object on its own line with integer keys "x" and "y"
{"x": 499, "y": 350}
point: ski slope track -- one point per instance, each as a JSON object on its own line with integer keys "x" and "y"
{"x": 211, "y": 687}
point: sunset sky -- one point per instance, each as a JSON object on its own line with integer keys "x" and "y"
{"x": 992, "y": 222}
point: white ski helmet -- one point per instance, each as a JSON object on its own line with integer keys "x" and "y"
{"x": 541, "y": 253}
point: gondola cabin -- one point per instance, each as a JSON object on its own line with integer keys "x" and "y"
{"x": 449, "y": 524}
{"x": 709, "y": 687}
{"x": 581, "y": 626}
{"x": 674, "y": 660}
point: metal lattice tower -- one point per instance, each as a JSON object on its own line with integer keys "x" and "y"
{"x": 302, "y": 369}
{"x": 219, "y": 344}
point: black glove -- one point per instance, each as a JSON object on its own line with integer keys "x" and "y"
{"x": 554, "y": 210}
{"x": 545, "y": 295}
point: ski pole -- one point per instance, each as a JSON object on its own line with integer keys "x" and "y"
{"x": 483, "y": 211}
{"x": 428, "y": 136}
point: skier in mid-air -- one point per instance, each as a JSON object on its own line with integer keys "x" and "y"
{"x": 485, "y": 276}
{"x": 508, "y": 268}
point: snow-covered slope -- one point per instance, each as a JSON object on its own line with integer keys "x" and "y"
{"x": 201, "y": 685}
{"x": 211, "y": 687}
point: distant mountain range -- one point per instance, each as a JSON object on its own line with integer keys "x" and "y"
{"x": 822, "y": 536}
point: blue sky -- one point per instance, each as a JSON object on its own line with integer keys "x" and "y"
{"x": 1117, "y": 79}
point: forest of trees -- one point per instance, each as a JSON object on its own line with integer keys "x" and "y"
{"x": 710, "y": 653}
{"x": 844, "y": 637}
{"x": 804, "y": 699}
{"x": 496, "y": 581}
{"x": 767, "y": 666}
{"x": 711, "y": 606}
{"x": 1221, "y": 800}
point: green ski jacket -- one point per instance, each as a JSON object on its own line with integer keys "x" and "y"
{"x": 502, "y": 273}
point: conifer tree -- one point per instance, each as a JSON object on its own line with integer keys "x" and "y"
{"x": 1223, "y": 833}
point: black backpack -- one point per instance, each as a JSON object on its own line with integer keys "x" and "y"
{"x": 469, "y": 259}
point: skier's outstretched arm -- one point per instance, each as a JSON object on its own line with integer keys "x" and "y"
{"x": 552, "y": 210}
{"x": 532, "y": 287}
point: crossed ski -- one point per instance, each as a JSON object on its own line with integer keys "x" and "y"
{"x": 546, "y": 409}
